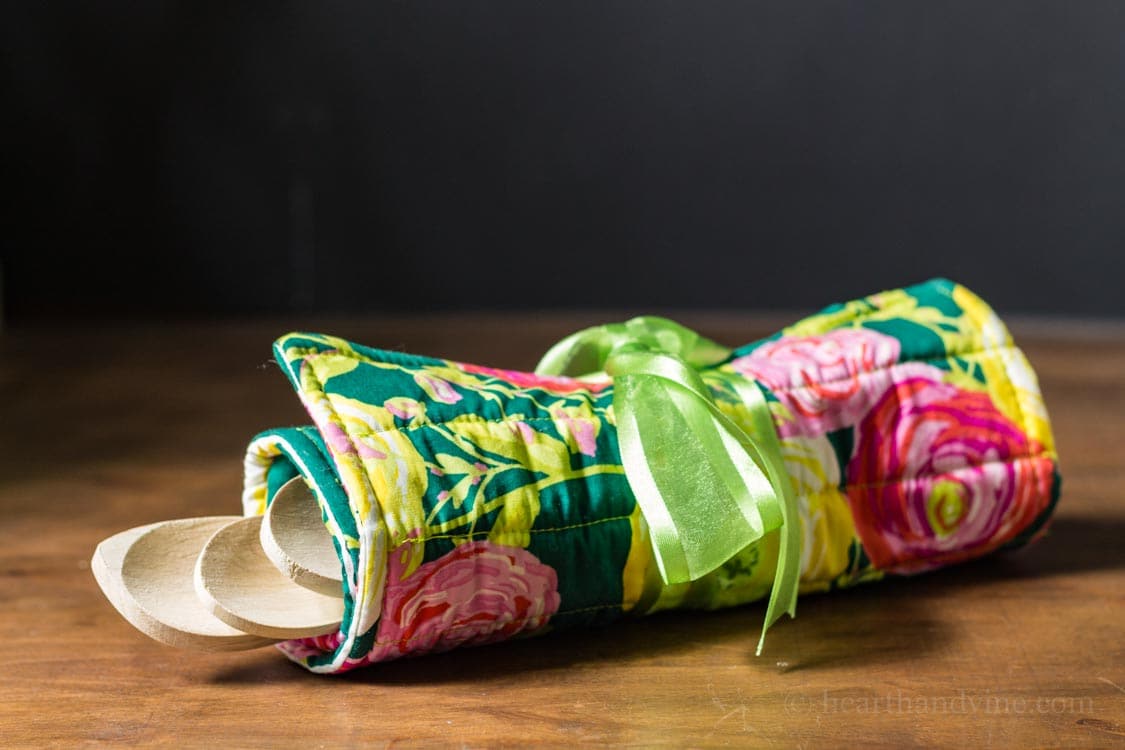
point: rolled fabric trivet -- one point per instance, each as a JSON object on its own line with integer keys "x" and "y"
{"x": 470, "y": 505}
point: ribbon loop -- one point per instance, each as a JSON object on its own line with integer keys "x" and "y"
{"x": 706, "y": 487}
{"x": 586, "y": 352}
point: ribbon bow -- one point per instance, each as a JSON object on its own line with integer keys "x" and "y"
{"x": 706, "y": 487}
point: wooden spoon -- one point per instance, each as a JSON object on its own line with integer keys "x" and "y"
{"x": 146, "y": 573}
{"x": 241, "y": 586}
{"x": 295, "y": 539}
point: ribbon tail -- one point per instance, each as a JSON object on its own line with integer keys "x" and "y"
{"x": 783, "y": 596}
{"x": 765, "y": 451}
{"x": 787, "y": 577}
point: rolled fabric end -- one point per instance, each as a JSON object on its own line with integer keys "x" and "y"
{"x": 470, "y": 505}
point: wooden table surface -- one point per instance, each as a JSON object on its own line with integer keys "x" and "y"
{"x": 106, "y": 427}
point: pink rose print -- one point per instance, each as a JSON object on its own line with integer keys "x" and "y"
{"x": 530, "y": 380}
{"x": 940, "y": 475}
{"x": 478, "y": 593}
{"x": 819, "y": 377}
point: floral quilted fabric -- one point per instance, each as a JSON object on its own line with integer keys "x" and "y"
{"x": 469, "y": 505}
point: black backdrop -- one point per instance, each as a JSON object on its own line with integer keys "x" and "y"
{"x": 233, "y": 157}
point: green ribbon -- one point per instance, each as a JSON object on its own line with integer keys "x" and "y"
{"x": 706, "y": 487}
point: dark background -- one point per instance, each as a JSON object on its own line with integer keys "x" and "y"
{"x": 203, "y": 158}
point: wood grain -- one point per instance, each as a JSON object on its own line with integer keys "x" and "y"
{"x": 108, "y": 427}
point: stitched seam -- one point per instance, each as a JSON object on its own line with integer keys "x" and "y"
{"x": 510, "y": 420}
{"x": 311, "y": 352}
{"x": 973, "y": 353}
{"x": 418, "y": 425}
{"x": 308, "y": 353}
{"x": 360, "y": 603}
{"x": 482, "y": 534}
{"x": 1025, "y": 424}
{"x": 951, "y": 472}
{"x": 586, "y": 609}
{"x": 1022, "y": 416}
